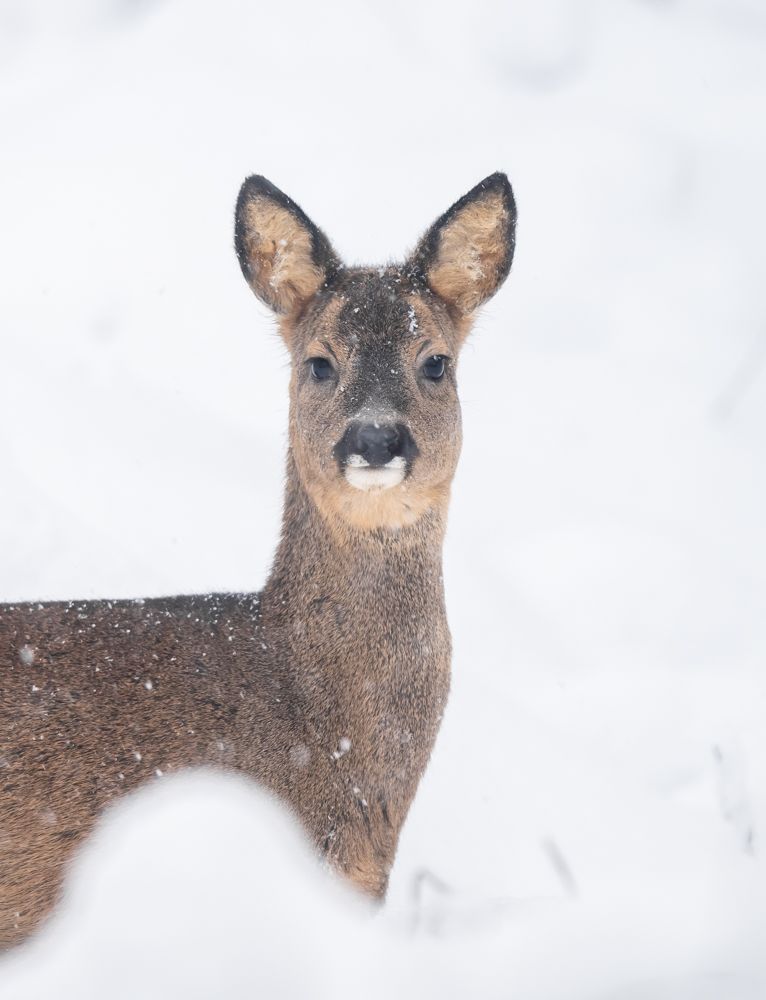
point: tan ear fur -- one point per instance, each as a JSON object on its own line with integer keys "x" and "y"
{"x": 471, "y": 254}
{"x": 277, "y": 251}
{"x": 466, "y": 255}
{"x": 284, "y": 257}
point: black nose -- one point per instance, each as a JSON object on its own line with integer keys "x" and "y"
{"x": 377, "y": 444}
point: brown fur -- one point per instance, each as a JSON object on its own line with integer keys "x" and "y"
{"x": 328, "y": 687}
{"x": 279, "y": 254}
{"x": 471, "y": 252}
{"x": 342, "y": 506}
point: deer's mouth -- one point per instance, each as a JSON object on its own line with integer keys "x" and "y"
{"x": 375, "y": 455}
{"x": 364, "y": 476}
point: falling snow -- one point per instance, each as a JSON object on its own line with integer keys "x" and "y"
{"x": 591, "y": 824}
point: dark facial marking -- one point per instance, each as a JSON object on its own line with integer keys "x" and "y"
{"x": 376, "y": 320}
{"x": 377, "y": 444}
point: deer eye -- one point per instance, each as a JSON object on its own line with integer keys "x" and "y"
{"x": 320, "y": 369}
{"x": 434, "y": 367}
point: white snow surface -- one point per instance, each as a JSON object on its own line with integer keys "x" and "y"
{"x": 591, "y": 825}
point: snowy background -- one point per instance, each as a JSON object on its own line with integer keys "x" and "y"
{"x": 592, "y": 823}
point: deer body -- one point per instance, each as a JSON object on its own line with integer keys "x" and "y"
{"x": 328, "y": 687}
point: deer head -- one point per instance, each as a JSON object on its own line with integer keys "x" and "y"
{"x": 375, "y": 427}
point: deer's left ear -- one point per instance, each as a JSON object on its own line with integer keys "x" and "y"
{"x": 466, "y": 254}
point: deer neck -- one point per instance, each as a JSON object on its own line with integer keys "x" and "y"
{"x": 360, "y": 611}
{"x": 318, "y": 560}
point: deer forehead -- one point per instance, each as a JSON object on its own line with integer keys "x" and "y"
{"x": 374, "y": 318}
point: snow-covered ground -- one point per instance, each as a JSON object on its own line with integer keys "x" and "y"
{"x": 591, "y": 826}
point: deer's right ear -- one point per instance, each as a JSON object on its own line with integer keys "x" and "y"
{"x": 284, "y": 257}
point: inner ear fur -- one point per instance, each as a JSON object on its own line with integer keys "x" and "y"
{"x": 466, "y": 255}
{"x": 284, "y": 257}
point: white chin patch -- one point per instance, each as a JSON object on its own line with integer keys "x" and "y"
{"x": 359, "y": 474}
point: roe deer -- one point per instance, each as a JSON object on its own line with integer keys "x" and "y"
{"x": 329, "y": 685}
